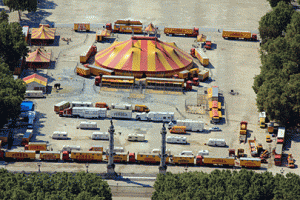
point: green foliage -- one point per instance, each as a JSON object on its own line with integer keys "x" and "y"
{"x": 13, "y": 45}
{"x": 29, "y": 5}
{"x": 273, "y": 3}
{"x": 11, "y": 94}
{"x": 60, "y": 186}
{"x": 273, "y": 23}
{"x": 3, "y": 16}
{"x": 242, "y": 185}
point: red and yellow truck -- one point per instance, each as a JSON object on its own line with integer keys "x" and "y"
{"x": 200, "y": 55}
{"x": 36, "y": 146}
{"x": 82, "y": 156}
{"x": 26, "y": 137}
{"x": 250, "y": 162}
{"x": 61, "y": 106}
{"x": 215, "y": 104}
{"x": 246, "y": 35}
{"x": 183, "y": 160}
{"x": 278, "y": 154}
{"x": 101, "y": 105}
{"x": 50, "y": 155}
{"x": 83, "y": 71}
{"x": 20, "y": 155}
{"x": 89, "y": 52}
{"x": 125, "y": 26}
{"x": 141, "y": 108}
{"x": 82, "y": 27}
{"x": 253, "y": 148}
{"x": 215, "y": 115}
{"x": 189, "y": 32}
{"x": 120, "y": 157}
{"x": 149, "y": 158}
{"x": 208, "y": 160}
{"x": 178, "y": 129}
{"x": 243, "y": 131}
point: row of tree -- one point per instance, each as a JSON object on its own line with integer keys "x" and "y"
{"x": 236, "y": 185}
{"x": 60, "y": 186}
{"x": 278, "y": 85}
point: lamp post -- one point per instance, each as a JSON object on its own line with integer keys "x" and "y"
{"x": 186, "y": 168}
{"x": 87, "y": 167}
{"x": 39, "y": 165}
{"x": 282, "y": 171}
{"x": 163, "y": 167}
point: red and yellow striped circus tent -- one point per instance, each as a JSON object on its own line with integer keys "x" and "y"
{"x": 43, "y": 35}
{"x": 144, "y": 57}
{"x": 150, "y": 28}
{"x": 38, "y": 59}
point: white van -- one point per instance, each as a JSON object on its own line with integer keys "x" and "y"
{"x": 203, "y": 153}
{"x": 88, "y": 125}
{"x": 116, "y": 149}
{"x": 81, "y": 104}
{"x": 60, "y": 135}
{"x": 70, "y": 148}
{"x": 176, "y": 140}
{"x": 157, "y": 151}
{"x": 100, "y": 136}
{"x": 136, "y": 137}
{"x": 34, "y": 94}
{"x": 186, "y": 153}
{"x": 216, "y": 142}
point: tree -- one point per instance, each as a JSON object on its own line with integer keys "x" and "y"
{"x": 273, "y": 23}
{"x": 29, "y": 5}
{"x": 12, "y": 44}
{"x": 11, "y": 95}
{"x": 273, "y": 3}
{"x": 3, "y": 16}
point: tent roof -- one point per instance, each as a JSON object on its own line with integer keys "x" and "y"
{"x": 43, "y": 33}
{"x": 143, "y": 54}
{"x": 39, "y": 55}
{"x": 150, "y": 28}
{"x": 35, "y": 78}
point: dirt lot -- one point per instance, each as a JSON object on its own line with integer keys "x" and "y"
{"x": 233, "y": 64}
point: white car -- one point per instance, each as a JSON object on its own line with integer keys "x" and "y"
{"x": 214, "y": 129}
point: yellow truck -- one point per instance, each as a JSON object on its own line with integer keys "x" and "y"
{"x": 250, "y": 162}
{"x": 190, "y": 32}
{"x": 262, "y": 119}
{"x": 215, "y": 115}
{"x": 208, "y": 160}
{"x": 120, "y": 157}
{"x": 246, "y": 35}
{"x": 149, "y": 158}
{"x": 82, "y": 156}
{"x": 200, "y": 55}
{"x": 127, "y": 26}
{"x": 61, "y": 106}
{"x": 183, "y": 160}
{"x": 86, "y": 54}
{"x": 178, "y": 129}
{"x": 100, "y": 35}
{"x": 82, "y": 27}
{"x": 215, "y": 104}
{"x": 36, "y": 146}
{"x": 83, "y": 71}
{"x": 243, "y": 131}
{"x": 50, "y": 155}
{"x": 141, "y": 108}
{"x": 20, "y": 155}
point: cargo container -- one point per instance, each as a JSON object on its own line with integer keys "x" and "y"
{"x": 71, "y": 148}
{"x": 136, "y": 137}
{"x": 209, "y": 160}
{"x": 83, "y": 71}
{"x": 178, "y": 129}
{"x": 232, "y": 34}
{"x": 26, "y": 137}
{"x": 278, "y": 154}
{"x": 215, "y": 104}
{"x": 20, "y": 155}
{"x": 216, "y": 142}
{"x": 183, "y": 160}
{"x": 50, "y": 155}
{"x": 120, "y": 157}
{"x": 203, "y": 74}
{"x": 100, "y": 136}
{"x": 85, "y": 112}
{"x": 95, "y": 156}
{"x": 102, "y": 34}
{"x": 101, "y": 105}
{"x": 183, "y": 74}
{"x": 121, "y": 114}
{"x": 96, "y": 148}
{"x": 200, "y": 55}
{"x": 191, "y": 125}
{"x": 61, "y": 106}
{"x": 60, "y": 135}
{"x": 189, "y": 32}
{"x": 89, "y": 52}
{"x": 176, "y": 140}
{"x": 116, "y": 150}
{"x": 149, "y": 158}
{"x": 81, "y": 27}
{"x": 126, "y": 26}
{"x": 280, "y": 135}
{"x": 250, "y": 162}
{"x": 96, "y": 71}
{"x": 34, "y": 94}
{"x": 156, "y": 116}
{"x": 81, "y": 104}
{"x": 36, "y": 146}
{"x": 88, "y": 125}
{"x": 121, "y": 106}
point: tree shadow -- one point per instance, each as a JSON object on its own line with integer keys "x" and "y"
{"x": 45, "y": 4}
{"x": 34, "y": 19}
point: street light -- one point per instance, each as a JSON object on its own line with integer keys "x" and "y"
{"x": 281, "y": 171}
{"x": 87, "y": 167}
{"x": 186, "y": 168}
{"x": 39, "y": 165}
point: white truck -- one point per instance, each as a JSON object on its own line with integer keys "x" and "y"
{"x": 136, "y": 137}
{"x": 216, "y": 142}
{"x": 121, "y": 106}
{"x": 123, "y": 114}
{"x": 81, "y": 104}
{"x": 60, "y": 135}
{"x": 88, "y": 125}
{"x": 31, "y": 118}
{"x": 89, "y": 112}
{"x": 70, "y": 148}
{"x": 176, "y": 140}
{"x": 191, "y": 125}
{"x": 100, "y": 136}
{"x": 156, "y": 116}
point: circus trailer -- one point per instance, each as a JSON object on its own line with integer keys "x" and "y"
{"x": 83, "y": 71}
{"x": 126, "y": 26}
{"x": 82, "y": 27}
{"x": 116, "y": 81}
{"x": 246, "y": 35}
{"x": 101, "y": 35}
{"x": 189, "y": 32}
{"x": 89, "y": 52}
{"x": 34, "y": 94}
{"x": 96, "y": 71}
{"x": 200, "y": 55}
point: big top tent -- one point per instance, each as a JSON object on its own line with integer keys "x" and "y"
{"x": 144, "y": 57}
{"x": 38, "y": 59}
{"x": 43, "y": 34}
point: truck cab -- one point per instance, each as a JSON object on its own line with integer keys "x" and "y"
{"x": 101, "y": 105}
{"x": 141, "y": 108}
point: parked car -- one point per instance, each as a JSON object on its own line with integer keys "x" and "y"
{"x": 214, "y": 129}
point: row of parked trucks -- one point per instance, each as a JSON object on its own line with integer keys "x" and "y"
{"x": 215, "y": 106}
{"x": 96, "y": 154}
